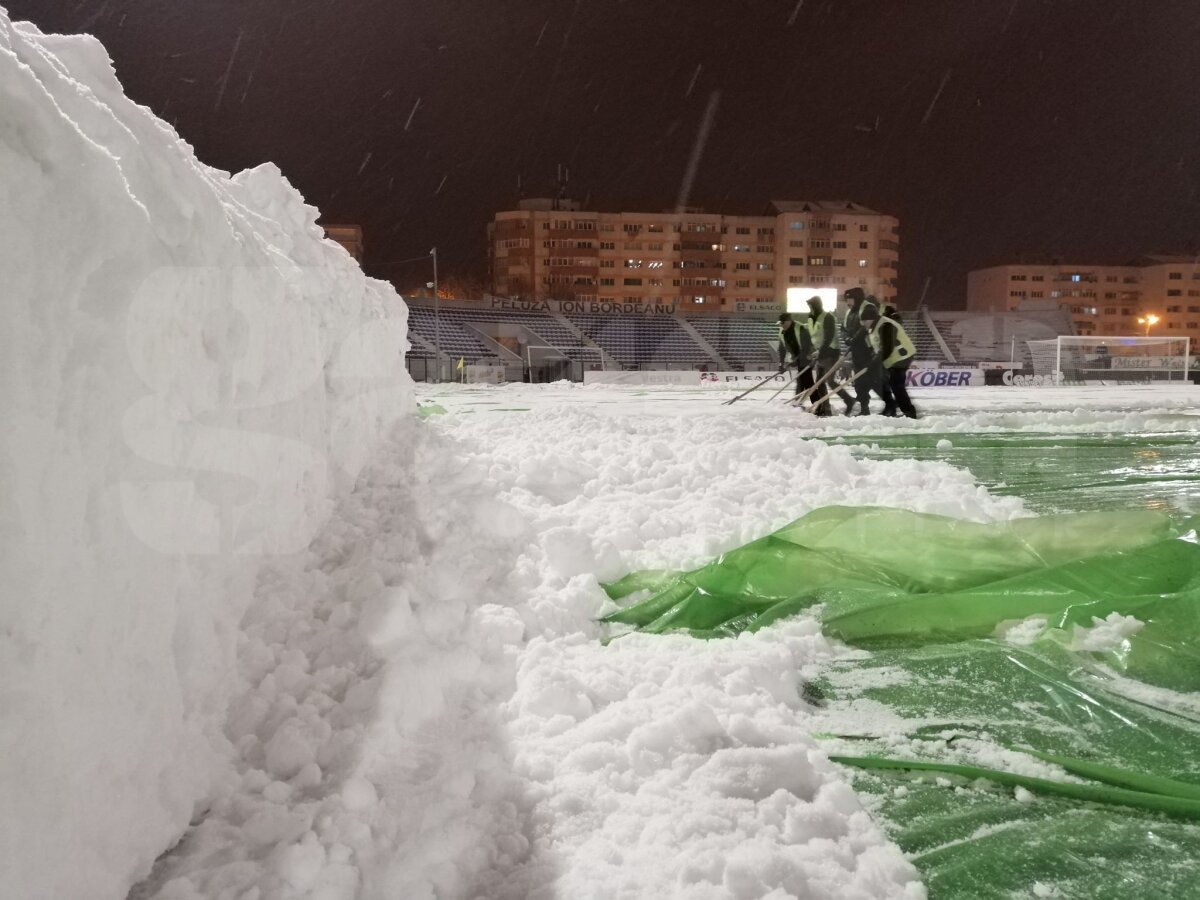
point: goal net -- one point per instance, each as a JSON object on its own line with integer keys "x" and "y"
{"x": 1070, "y": 358}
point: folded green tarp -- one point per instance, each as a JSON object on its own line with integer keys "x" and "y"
{"x": 927, "y": 596}
{"x": 887, "y": 576}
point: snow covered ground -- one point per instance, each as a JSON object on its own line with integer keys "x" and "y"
{"x": 428, "y": 709}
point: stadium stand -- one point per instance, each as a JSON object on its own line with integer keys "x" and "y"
{"x": 976, "y": 338}
{"x": 455, "y": 341}
{"x": 468, "y": 322}
{"x": 638, "y": 342}
{"x": 745, "y": 343}
{"x": 483, "y": 334}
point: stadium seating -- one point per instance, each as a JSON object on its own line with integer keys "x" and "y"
{"x": 457, "y": 321}
{"x": 645, "y": 341}
{"x": 746, "y": 344}
{"x": 974, "y": 337}
{"x": 743, "y": 343}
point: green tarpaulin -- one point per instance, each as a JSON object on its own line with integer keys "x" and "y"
{"x": 1114, "y": 733}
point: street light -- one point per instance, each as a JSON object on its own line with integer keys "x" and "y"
{"x": 437, "y": 309}
{"x": 437, "y": 317}
{"x": 1148, "y": 321}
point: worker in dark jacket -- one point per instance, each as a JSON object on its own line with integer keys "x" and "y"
{"x": 794, "y": 341}
{"x": 862, "y": 355}
{"x": 827, "y": 351}
{"x": 895, "y": 350}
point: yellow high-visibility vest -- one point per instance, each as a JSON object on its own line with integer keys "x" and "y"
{"x": 904, "y": 349}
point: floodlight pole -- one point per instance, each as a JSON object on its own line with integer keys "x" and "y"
{"x": 437, "y": 318}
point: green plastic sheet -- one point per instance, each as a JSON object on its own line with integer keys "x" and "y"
{"x": 1118, "y": 732}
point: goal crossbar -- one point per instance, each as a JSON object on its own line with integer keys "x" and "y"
{"x": 1132, "y": 357}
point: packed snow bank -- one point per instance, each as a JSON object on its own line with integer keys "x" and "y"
{"x": 189, "y": 373}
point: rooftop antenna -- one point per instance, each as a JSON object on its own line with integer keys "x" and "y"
{"x": 564, "y": 175}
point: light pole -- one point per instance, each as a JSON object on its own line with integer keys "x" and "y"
{"x": 437, "y": 317}
{"x": 1148, "y": 320}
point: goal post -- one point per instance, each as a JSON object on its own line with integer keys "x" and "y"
{"x": 1075, "y": 358}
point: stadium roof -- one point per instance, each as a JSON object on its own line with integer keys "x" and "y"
{"x": 829, "y": 206}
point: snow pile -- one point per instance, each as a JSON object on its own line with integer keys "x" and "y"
{"x": 189, "y": 373}
{"x": 672, "y": 767}
{"x": 371, "y": 757}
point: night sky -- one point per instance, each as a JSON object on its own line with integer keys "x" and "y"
{"x": 990, "y": 127}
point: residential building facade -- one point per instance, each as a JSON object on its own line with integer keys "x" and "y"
{"x": 690, "y": 260}
{"x": 1102, "y": 299}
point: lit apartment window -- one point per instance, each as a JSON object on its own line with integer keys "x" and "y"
{"x": 796, "y": 226}
{"x": 818, "y": 260}
{"x": 633, "y": 263}
{"x": 862, "y": 263}
{"x": 741, "y": 248}
{"x": 765, "y": 267}
{"x": 1077, "y": 278}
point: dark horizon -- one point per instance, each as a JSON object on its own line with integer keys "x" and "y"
{"x": 990, "y": 129}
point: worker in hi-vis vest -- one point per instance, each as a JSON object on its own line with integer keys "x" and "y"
{"x": 794, "y": 341}
{"x": 896, "y": 351}
{"x": 862, "y": 354}
{"x": 827, "y": 349}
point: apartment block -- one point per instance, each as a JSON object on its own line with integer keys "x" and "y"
{"x": 690, "y": 260}
{"x": 1103, "y": 299}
